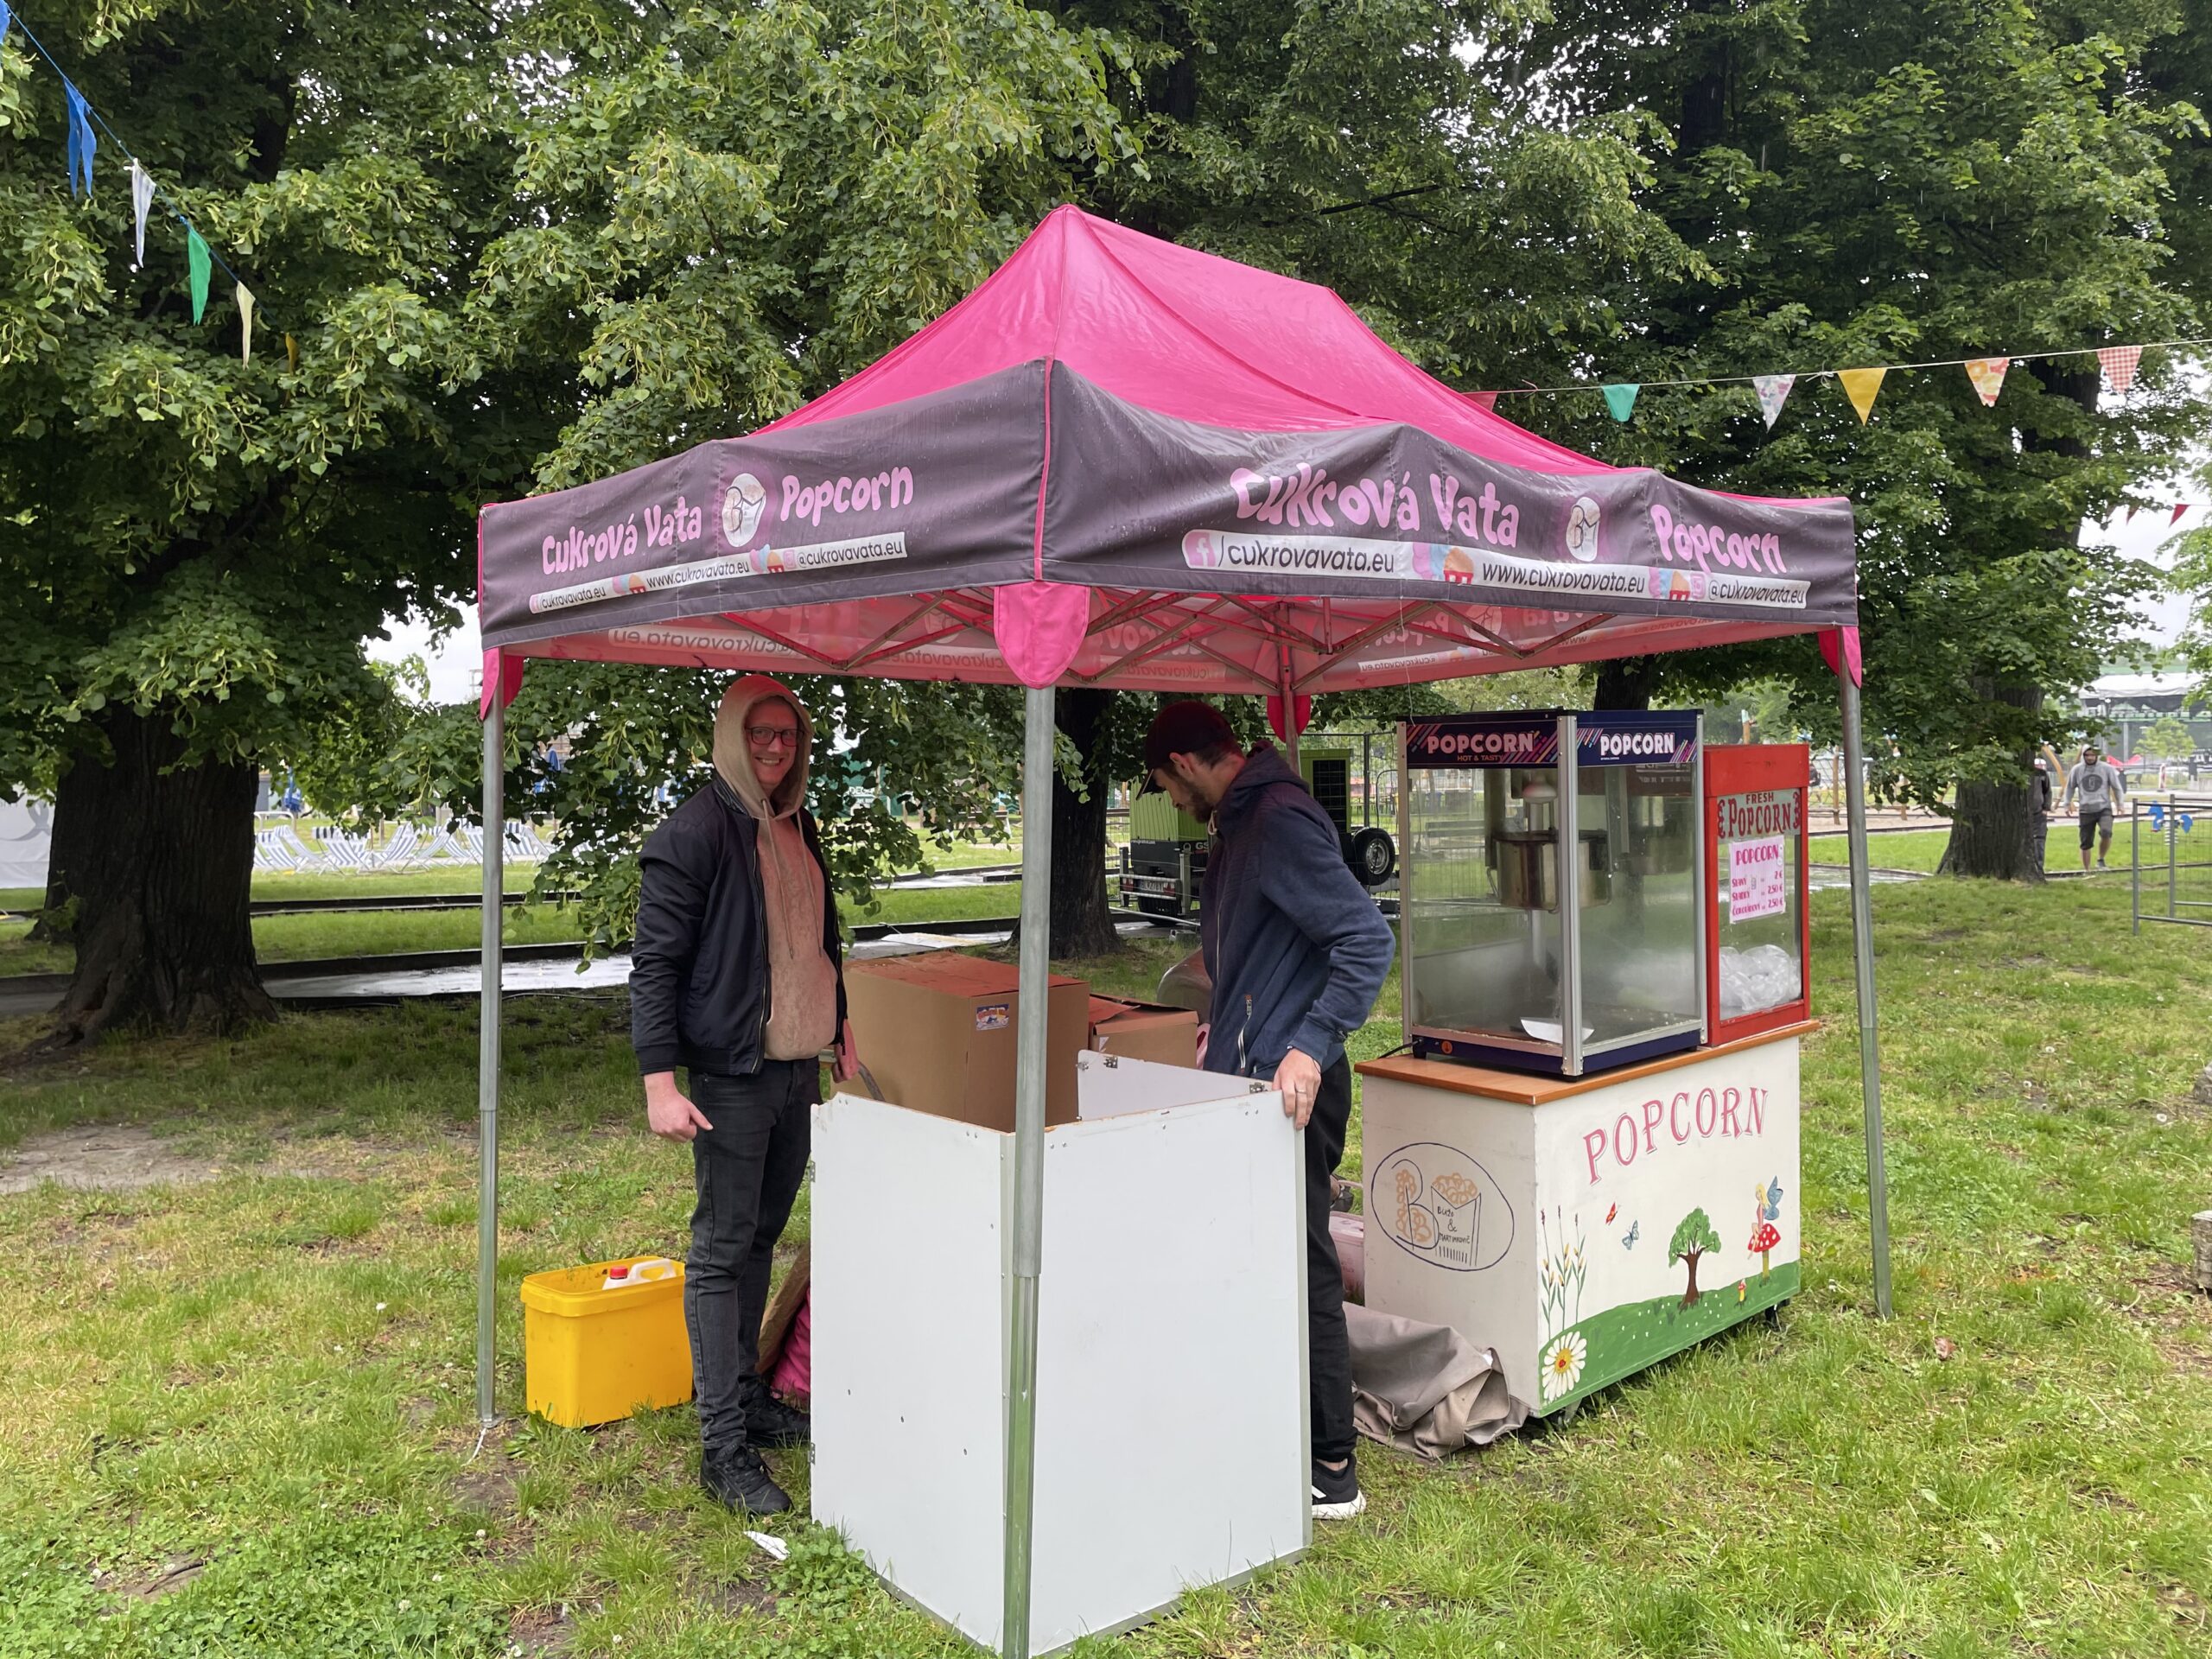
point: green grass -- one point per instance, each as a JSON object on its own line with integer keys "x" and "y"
{"x": 270, "y": 1371}
{"x": 1922, "y": 849}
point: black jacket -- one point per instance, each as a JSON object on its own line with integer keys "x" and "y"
{"x": 699, "y": 967}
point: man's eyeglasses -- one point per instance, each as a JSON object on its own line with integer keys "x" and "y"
{"x": 778, "y": 737}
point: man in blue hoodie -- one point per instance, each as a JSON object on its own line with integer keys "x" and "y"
{"x": 1297, "y": 953}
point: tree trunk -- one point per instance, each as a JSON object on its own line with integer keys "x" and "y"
{"x": 1995, "y": 826}
{"x": 163, "y": 871}
{"x": 57, "y": 924}
{"x": 1082, "y": 923}
{"x": 1690, "y": 1296}
{"x": 1627, "y": 683}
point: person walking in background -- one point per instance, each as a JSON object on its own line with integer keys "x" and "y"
{"x": 2040, "y": 789}
{"x": 1297, "y": 953}
{"x": 736, "y": 974}
{"x": 2098, "y": 782}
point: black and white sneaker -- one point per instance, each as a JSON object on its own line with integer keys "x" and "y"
{"x": 1337, "y": 1496}
{"x": 739, "y": 1481}
{"x": 769, "y": 1421}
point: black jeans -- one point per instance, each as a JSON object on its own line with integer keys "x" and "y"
{"x": 748, "y": 1169}
{"x": 1328, "y": 1343}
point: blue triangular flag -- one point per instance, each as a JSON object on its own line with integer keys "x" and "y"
{"x": 81, "y": 143}
{"x": 3, "y": 20}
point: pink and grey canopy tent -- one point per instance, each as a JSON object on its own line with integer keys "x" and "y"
{"x": 1123, "y": 463}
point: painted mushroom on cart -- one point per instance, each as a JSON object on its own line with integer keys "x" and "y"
{"x": 1764, "y": 1237}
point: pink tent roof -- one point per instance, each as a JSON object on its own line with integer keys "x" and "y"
{"x": 1185, "y": 333}
{"x": 1122, "y": 462}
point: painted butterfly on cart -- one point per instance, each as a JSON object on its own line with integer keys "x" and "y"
{"x": 1635, "y": 1231}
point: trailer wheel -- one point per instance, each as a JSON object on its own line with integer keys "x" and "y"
{"x": 1373, "y": 856}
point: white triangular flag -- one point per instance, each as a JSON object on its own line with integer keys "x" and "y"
{"x": 1774, "y": 391}
{"x": 142, "y": 198}
{"x": 245, "y": 324}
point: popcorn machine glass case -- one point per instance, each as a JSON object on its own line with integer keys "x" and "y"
{"x": 1757, "y": 925}
{"x": 1497, "y": 970}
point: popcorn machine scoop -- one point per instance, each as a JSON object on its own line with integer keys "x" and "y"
{"x": 1516, "y": 957}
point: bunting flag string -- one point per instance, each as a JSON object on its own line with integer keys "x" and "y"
{"x": 142, "y": 198}
{"x": 1861, "y": 386}
{"x": 196, "y": 257}
{"x": 1988, "y": 374}
{"x": 83, "y": 143}
{"x": 2119, "y": 365}
{"x": 1774, "y": 391}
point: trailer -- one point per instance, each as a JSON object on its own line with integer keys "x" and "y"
{"x": 1164, "y": 865}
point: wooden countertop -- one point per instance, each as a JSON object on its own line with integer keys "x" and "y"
{"x": 1527, "y": 1089}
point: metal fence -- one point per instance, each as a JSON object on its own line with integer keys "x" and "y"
{"x": 2183, "y": 882}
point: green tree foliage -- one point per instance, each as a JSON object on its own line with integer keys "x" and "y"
{"x": 198, "y": 546}
{"x": 727, "y": 212}
{"x": 2167, "y": 738}
{"x": 1884, "y": 183}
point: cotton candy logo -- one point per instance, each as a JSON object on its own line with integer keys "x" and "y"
{"x": 742, "y": 506}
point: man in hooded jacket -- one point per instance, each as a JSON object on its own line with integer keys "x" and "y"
{"x": 737, "y": 977}
{"x": 1297, "y": 953}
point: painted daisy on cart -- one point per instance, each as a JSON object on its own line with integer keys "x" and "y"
{"x": 1563, "y": 1360}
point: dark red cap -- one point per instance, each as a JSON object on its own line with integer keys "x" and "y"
{"x": 1186, "y": 728}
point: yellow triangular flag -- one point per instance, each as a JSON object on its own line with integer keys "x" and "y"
{"x": 1860, "y": 385}
{"x": 292, "y": 353}
{"x": 245, "y": 324}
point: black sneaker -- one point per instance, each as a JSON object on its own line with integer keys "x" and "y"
{"x": 769, "y": 1421}
{"x": 1337, "y": 1496}
{"x": 738, "y": 1480}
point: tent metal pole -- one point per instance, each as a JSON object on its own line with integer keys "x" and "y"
{"x": 1030, "y": 1009}
{"x": 1862, "y": 945}
{"x": 1288, "y": 677}
{"x": 487, "y": 1062}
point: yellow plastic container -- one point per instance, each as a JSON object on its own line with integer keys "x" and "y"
{"x": 594, "y": 1356}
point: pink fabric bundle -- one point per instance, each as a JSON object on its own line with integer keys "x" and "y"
{"x": 793, "y": 1376}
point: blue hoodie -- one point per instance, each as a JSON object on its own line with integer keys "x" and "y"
{"x": 1288, "y": 932}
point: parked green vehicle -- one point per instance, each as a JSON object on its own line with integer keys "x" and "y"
{"x": 1164, "y": 866}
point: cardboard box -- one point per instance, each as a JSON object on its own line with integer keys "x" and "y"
{"x": 939, "y": 1031}
{"x": 1144, "y": 1031}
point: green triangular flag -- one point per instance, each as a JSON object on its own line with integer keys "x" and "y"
{"x": 1621, "y": 399}
{"x": 195, "y": 253}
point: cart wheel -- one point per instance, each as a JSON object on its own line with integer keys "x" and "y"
{"x": 1776, "y": 1316}
{"x": 1373, "y": 856}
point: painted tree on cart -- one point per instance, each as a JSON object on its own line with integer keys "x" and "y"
{"x": 197, "y": 545}
{"x": 1893, "y": 181}
{"x": 1692, "y": 1239}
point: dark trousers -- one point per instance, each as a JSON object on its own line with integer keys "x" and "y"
{"x": 1328, "y": 1361}
{"x": 748, "y": 1169}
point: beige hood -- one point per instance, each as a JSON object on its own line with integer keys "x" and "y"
{"x": 734, "y": 760}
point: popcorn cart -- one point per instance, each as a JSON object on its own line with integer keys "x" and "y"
{"x": 1590, "y": 1159}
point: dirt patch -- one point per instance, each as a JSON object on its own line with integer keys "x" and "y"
{"x": 541, "y": 1631}
{"x": 100, "y": 1160}
{"x": 2174, "y": 1313}
{"x": 170, "y": 1579}
{"x": 487, "y": 1485}
{"x": 734, "y": 1598}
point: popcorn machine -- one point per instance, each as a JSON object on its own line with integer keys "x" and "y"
{"x": 1552, "y": 906}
